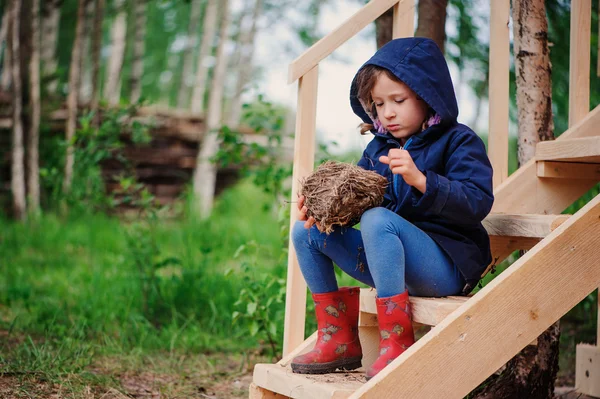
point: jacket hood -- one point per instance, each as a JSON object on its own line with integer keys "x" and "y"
{"x": 419, "y": 63}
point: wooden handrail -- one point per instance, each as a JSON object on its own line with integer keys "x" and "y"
{"x": 327, "y": 45}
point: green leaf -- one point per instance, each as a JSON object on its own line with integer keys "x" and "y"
{"x": 254, "y": 328}
{"x": 251, "y": 308}
{"x": 272, "y": 328}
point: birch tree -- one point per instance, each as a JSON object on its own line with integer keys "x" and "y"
{"x": 96, "y": 48}
{"x": 85, "y": 87}
{"x": 208, "y": 36}
{"x": 49, "y": 37}
{"x": 33, "y": 182}
{"x": 205, "y": 175}
{"x": 244, "y": 66}
{"x": 112, "y": 91}
{"x": 6, "y": 61}
{"x": 74, "y": 80}
{"x": 533, "y": 371}
{"x": 18, "y": 153}
{"x": 188, "y": 57}
{"x": 137, "y": 69}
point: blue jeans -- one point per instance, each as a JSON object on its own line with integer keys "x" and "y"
{"x": 388, "y": 253}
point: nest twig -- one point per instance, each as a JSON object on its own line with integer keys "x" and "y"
{"x": 337, "y": 194}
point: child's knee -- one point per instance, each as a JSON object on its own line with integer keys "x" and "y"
{"x": 301, "y": 235}
{"x": 373, "y": 218}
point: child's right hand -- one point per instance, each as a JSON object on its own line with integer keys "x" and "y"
{"x": 302, "y": 210}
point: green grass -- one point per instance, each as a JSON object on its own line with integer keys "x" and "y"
{"x": 87, "y": 285}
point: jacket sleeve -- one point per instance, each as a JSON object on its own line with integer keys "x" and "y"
{"x": 465, "y": 194}
{"x": 365, "y": 161}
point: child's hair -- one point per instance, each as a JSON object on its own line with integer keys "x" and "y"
{"x": 365, "y": 81}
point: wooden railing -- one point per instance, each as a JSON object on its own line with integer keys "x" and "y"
{"x": 305, "y": 70}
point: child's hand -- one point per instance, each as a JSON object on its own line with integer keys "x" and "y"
{"x": 401, "y": 163}
{"x": 302, "y": 210}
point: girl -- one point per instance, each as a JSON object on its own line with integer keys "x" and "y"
{"x": 426, "y": 239}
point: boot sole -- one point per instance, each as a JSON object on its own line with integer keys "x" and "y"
{"x": 324, "y": 368}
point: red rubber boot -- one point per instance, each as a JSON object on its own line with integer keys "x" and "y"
{"x": 337, "y": 344}
{"x": 395, "y": 328}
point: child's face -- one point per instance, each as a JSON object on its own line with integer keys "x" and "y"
{"x": 399, "y": 109}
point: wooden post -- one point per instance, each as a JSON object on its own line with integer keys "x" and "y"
{"x": 579, "y": 66}
{"x": 579, "y": 105}
{"x": 499, "y": 89}
{"x": 404, "y": 19}
{"x": 304, "y": 157}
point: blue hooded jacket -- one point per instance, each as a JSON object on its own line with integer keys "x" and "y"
{"x": 459, "y": 192}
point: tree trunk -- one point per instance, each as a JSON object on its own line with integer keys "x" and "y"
{"x": 50, "y": 24}
{"x": 6, "y": 61}
{"x": 18, "y": 153}
{"x": 137, "y": 69}
{"x": 208, "y": 38}
{"x": 384, "y": 28}
{"x": 187, "y": 77}
{"x": 33, "y": 181}
{"x": 74, "y": 78}
{"x": 112, "y": 90}
{"x": 532, "y": 373}
{"x": 85, "y": 87}
{"x": 244, "y": 67}
{"x": 206, "y": 172}
{"x": 96, "y": 49}
{"x": 533, "y": 75}
{"x": 432, "y": 21}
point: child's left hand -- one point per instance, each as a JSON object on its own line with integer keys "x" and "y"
{"x": 401, "y": 163}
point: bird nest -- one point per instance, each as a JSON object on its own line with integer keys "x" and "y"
{"x": 337, "y": 194}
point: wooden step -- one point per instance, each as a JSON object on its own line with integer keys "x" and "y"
{"x": 586, "y": 149}
{"x": 429, "y": 311}
{"x": 280, "y": 379}
{"x": 512, "y": 225}
{"x": 512, "y": 232}
{"x": 568, "y": 170}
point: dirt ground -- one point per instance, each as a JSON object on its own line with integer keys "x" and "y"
{"x": 214, "y": 376}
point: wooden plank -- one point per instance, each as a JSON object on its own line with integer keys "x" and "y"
{"x": 321, "y": 49}
{"x": 282, "y": 380}
{"x": 568, "y": 170}
{"x": 304, "y": 347}
{"x": 367, "y": 319}
{"x": 256, "y": 392}
{"x": 429, "y": 311}
{"x": 404, "y": 19}
{"x": 579, "y": 60}
{"x": 304, "y": 157}
{"x": 585, "y": 149}
{"x": 497, "y": 322}
{"x": 587, "y": 370}
{"x": 369, "y": 341}
{"x": 499, "y": 89}
{"x": 528, "y": 225}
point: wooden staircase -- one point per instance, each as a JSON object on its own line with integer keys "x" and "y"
{"x": 472, "y": 337}
{"x": 475, "y": 336}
